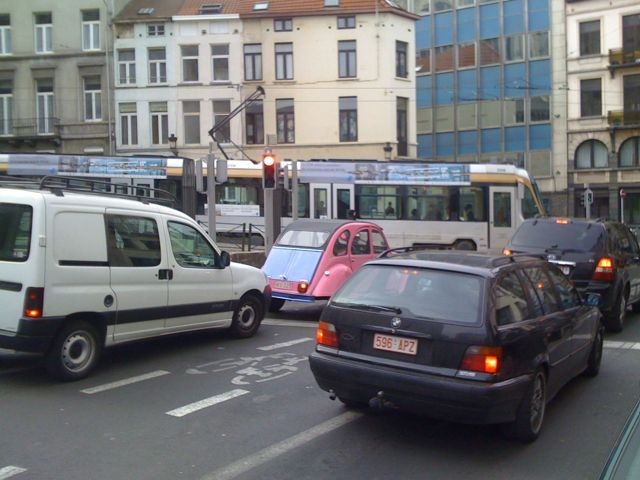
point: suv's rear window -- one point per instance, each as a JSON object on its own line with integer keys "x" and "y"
{"x": 582, "y": 237}
{"x": 431, "y": 294}
{"x": 15, "y": 232}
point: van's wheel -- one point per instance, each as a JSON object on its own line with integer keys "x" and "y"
{"x": 74, "y": 351}
{"x": 464, "y": 245}
{"x": 528, "y": 423}
{"x": 247, "y": 317}
{"x": 276, "y": 304}
{"x": 595, "y": 356}
{"x": 614, "y": 321}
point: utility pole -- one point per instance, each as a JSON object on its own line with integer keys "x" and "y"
{"x": 211, "y": 192}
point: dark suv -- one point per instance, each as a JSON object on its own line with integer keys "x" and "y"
{"x": 599, "y": 256}
{"x": 460, "y": 336}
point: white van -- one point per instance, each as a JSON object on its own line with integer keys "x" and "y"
{"x": 79, "y": 272}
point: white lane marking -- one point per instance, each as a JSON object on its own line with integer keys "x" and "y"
{"x": 290, "y": 323}
{"x": 207, "y": 402}
{"x": 126, "y": 381}
{"x": 622, "y": 345}
{"x": 269, "y": 453}
{"x": 285, "y": 344}
{"x": 10, "y": 471}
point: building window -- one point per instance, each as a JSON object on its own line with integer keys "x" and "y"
{"x": 346, "y": 22}
{"x": 191, "y": 120}
{"x": 514, "y": 48}
{"x": 423, "y": 60}
{"x": 221, "y": 109}
{"x": 91, "y": 30}
{"x": 629, "y": 152}
{"x": 44, "y": 106}
{"x": 285, "y": 121}
{"x": 591, "y": 97}
{"x": 440, "y": 5}
{"x": 128, "y": 124}
{"x": 514, "y": 111}
{"x": 283, "y": 24}
{"x": 159, "y": 123}
{"x": 155, "y": 30}
{"x": 284, "y": 61}
{"x": 189, "y": 63}
{"x": 443, "y": 58}
{"x": 6, "y": 107}
{"x": 44, "y": 32}
{"x": 126, "y": 67}
{"x": 157, "y": 65}
{"x": 538, "y": 44}
{"x": 254, "y": 115}
{"x": 92, "y": 98}
{"x": 348, "y": 119}
{"x": 402, "y": 109}
{"x": 5, "y": 34}
{"x": 631, "y": 33}
{"x": 220, "y": 62}
{"x": 402, "y": 49}
{"x": 331, "y": 3}
{"x": 347, "y": 59}
{"x": 489, "y": 51}
{"x": 466, "y": 55}
{"x": 590, "y": 38}
{"x": 540, "y": 108}
{"x": 631, "y": 95}
{"x": 592, "y": 154}
{"x": 253, "y": 62}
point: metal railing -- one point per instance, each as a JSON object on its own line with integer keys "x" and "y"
{"x": 241, "y": 236}
{"x": 32, "y": 127}
{"x": 623, "y": 118}
{"x": 620, "y": 57}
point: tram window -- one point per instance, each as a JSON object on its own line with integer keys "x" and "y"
{"x": 377, "y": 201}
{"x": 529, "y": 208}
{"x": 471, "y": 204}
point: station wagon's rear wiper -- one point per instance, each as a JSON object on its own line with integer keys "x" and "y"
{"x": 377, "y": 308}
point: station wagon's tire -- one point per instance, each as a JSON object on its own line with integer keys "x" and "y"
{"x": 276, "y": 305}
{"x": 464, "y": 245}
{"x": 614, "y": 321}
{"x": 247, "y": 317}
{"x": 74, "y": 351}
{"x": 595, "y": 356}
{"x": 528, "y": 423}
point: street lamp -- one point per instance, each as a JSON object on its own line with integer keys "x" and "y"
{"x": 387, "y": 151}
{"x": 173, "y": 144}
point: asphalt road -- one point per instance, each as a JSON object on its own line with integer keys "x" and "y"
{"x": 209, "y": 407}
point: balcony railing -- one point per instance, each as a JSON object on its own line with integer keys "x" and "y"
{"x": 624, "y": 118}
{"x": 620, "y": 58}
{"x": 24, "y": 128}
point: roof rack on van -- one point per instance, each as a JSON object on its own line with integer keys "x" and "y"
{"x": 59, "y": 184}
{"x": 8, "y": 181}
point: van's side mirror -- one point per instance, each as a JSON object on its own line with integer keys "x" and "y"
{"x": 225, "y": 259}
{"x": 593, "y": 299}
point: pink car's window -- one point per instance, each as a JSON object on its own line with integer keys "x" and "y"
{"x": 341, "y": 246}
{"x": 360, "y": 245}
{"x": 379, "y": 243}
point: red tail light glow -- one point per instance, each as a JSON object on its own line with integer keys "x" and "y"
{"x": 33, "y": 301}
{"x": 604, "y": 270}
{"x": 482, "y": 359}
{"x": 303, "y": 287}
{"x": 326, "y": 335}
{"x": 506, "y": 251}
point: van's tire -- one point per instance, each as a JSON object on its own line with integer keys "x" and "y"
{"x": 614, "y": 320}
{"x": 595, "y": 356}
{"x": 464, "y": 245}
{"x": 247, "y": 317}
{"x": 74, "y": 352}
{"x": 276, "y": 305}
{"x": 528, "y": 423}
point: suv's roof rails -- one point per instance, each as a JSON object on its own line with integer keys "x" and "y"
{"x": 60, "y": 184}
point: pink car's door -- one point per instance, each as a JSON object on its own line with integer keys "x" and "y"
{"x": 361, "y": 250}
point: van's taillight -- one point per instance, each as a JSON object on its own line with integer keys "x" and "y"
{"x": 482, "y": 359}
{"x": 326, "y": 335}
{"x": 604, "y": 270}
{"x": 33, "y": 301}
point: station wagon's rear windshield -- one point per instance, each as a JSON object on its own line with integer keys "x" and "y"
{"x": 15, "y": 232}
{"x": 427, "y": 293}
{"x": 581, "y": 236}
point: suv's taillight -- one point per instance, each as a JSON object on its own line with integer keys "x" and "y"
{"x": 326, "y": 335}
{"x": 506, "y": 251}
{"x": 605, "y": 270}
{"x": 482, "y": 359}
{"x": 33, "y": 301}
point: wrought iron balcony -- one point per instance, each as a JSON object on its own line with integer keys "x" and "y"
{"x": 29, "y": 128}
{"x": 621, "y": 58}
{"x": 624, "y": 119}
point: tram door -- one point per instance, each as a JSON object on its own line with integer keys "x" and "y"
{"x": 502, "y": 216}
{"x": 331, "y": 200}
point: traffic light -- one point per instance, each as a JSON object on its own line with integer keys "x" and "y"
{"x": 269, "y": 170}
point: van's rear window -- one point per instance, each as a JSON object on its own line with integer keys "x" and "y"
{"x": 15, "y": 232}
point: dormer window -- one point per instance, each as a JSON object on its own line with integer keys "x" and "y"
{"x": 210, "y": 9}
{"x": 331, "y": 3}
{"x": 260, "y": 6}
{"x": 146, "y": 11}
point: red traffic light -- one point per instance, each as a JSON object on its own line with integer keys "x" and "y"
{"x": 269, "y": 170}
{"x": 268, "y": 160}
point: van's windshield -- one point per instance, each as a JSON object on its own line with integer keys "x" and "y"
{"x": 15, "y": 234}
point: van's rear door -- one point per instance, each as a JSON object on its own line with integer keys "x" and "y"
{"x": 21, "y": 215}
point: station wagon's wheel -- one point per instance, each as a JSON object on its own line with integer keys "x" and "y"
{"x": 595, "y": 357}
{"x": 530, "y": 414}
{"x": 247, "y": 317}
{"x": 276, "y": 304}
{"x": 74, "y": 351}
{"x": 616, "y": 317}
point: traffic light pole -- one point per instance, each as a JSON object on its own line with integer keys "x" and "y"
{"x": 211, "y": 193}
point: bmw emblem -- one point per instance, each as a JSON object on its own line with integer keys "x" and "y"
{"x": 395, "y": 322}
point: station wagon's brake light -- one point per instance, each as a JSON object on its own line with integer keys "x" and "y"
{"x": 604, "y": 270}
{"x": 33, "y": 301}
{"x": 506, "y": 251}
{"x": 303, "y": 287}
{"x": 326, "y": 335}
{"x": 482, "y": 359}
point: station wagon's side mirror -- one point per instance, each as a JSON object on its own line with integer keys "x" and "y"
{"x": 225, "y": 259}
{"x": 593, "y": 299}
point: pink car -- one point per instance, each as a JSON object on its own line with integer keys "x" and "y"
{"x": 312, "y": 258}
